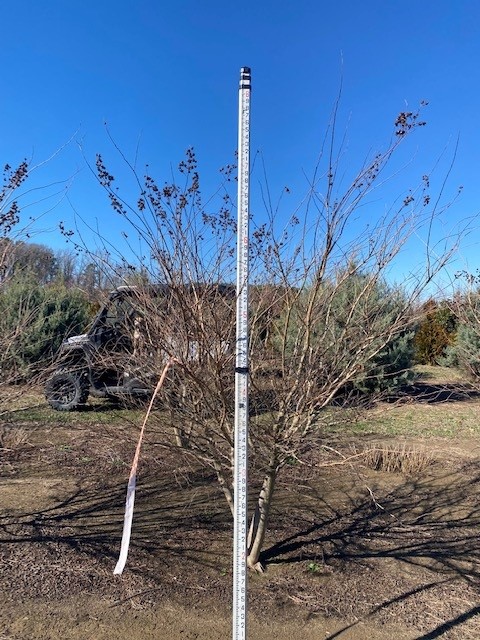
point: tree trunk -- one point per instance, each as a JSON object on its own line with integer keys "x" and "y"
{"x": 258, "y": 525}
{"x": 227, "y": 491}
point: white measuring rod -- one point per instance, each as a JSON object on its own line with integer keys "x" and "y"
{"x": 241, "y": 366}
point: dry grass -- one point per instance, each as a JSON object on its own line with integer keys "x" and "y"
{"x": 12, "y": 438}
{"x": 397, "y": 458}
{"x": 438, "y": 375}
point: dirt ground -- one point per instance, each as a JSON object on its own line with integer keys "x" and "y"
{"x": 352, "y": 552}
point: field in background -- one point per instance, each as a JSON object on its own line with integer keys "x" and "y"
{"x": 374, "y": 534}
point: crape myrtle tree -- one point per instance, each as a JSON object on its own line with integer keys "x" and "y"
{"x": 323, "y": 318}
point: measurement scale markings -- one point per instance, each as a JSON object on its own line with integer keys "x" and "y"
{"x": 241, "y": 366}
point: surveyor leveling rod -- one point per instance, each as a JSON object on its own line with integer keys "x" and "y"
{"x": 241, "y": 366}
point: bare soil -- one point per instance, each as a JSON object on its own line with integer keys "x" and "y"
{"x": 352, "y": 552}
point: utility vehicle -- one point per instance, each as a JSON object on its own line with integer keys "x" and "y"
{"x": 96, "y": 362}
{"x": 114, "y": 360}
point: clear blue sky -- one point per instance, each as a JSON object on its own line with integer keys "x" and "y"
{"x": 164, "y": 74}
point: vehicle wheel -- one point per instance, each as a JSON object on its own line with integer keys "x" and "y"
{"x": 67, "y": 390}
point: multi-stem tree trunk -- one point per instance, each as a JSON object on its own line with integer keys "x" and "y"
{"x": 259, "y": 522}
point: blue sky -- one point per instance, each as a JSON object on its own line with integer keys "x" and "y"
{"x": 164, "y": 76}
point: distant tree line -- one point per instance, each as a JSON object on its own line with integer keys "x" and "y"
{"x": 89, "y": 272}
{"x": 48, "y": 294}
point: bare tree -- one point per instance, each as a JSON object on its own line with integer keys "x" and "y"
{"x": 9, "y": 214}
{"x": 321, "y": 311}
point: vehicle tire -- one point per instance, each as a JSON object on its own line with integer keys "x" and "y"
{"x": 67, "y": 390}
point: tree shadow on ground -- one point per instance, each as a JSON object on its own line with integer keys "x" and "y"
{"x": 169, "y": 511}
{"x": 427, "y": 393}
{"x": 434, "y": 517}
{"x": 440, "y": 630}
{"x": 427, "y": 525}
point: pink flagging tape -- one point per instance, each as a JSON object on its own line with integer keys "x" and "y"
{"x": 132, "y": 481}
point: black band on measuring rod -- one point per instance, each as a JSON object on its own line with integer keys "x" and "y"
{"x": 241, "y": 369}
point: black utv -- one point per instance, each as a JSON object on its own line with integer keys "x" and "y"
{"x": 96, "y": 362}
{"x": 105, "y": 362}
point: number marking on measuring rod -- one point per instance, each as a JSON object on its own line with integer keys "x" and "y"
{"x": 241, "y": 366}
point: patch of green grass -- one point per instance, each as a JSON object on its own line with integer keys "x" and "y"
{"x": 27, "y": 406}
{"x": 313, "y": 567}
{"x": 31, "y": 407}
{"x": 443, "y": 420}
